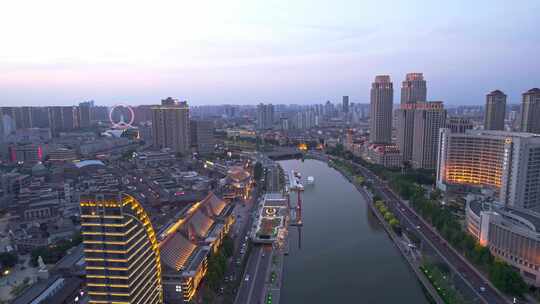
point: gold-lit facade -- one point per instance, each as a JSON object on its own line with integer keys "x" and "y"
{"x": 121, "y": 251}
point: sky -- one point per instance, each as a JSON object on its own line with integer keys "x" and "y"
{"x": 246, "y": 52}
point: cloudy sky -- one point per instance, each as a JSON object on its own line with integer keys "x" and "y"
{"x": 245, "y": 52}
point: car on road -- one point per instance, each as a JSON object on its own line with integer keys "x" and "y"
{"x": 246, "y": 278}
{"x": 482, "y": 288}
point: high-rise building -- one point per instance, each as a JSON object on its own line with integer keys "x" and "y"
{"x": 530, "y": 111}
{"x": 202, "y": 136}
{"x": 345, "y": 104}
{"x": 429, "y": 117}
{"x": 459, "y": 124}
{"x": 265, "y": 116}
{"x": 85, "y": 113}
{"x": 506, "y": 162}
{"x": 121, "y": 251}
{"x": 170, "y": 126}
{"x": 63, "y": 118}
{"x": 414, "y": 88}
{"x": 494, "y": 111}
{"x": 382, "y": 96}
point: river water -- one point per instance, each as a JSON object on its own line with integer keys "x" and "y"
{"x": 342, "y": 254}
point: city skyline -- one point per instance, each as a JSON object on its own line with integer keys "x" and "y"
{"x": 231, "y": 53}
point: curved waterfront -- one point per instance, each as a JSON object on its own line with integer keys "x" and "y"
{"x": 345, "y": 256}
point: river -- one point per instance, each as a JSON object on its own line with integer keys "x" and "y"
{"x": 342, "y": 254}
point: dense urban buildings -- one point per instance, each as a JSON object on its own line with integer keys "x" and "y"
{"x": 429, "y": 117}
{"x": 530, "y": 111}
{"x": 265, "y": 116}
{"x": 382, "y": 98}
{"x": 202, "y": 136}
{"x": 123, "y": 263}
{"x": 495, "y": 110}
{"x": 506, "y": 162}
{"x": 170, "y": 126}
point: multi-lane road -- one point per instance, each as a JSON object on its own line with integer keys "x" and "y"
{"x": 478, "y": 285}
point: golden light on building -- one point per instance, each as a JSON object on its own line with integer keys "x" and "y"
{"x": 303, "y": 147}
{"x": 121, "y": 251}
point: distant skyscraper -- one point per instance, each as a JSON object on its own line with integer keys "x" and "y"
{"x": 85, "y": 113}
{"x": 170, "y": 126}
{"x": 63, "y": 119}
{"x": 414, "y": 88}
{"x": 530, "y": 111}
{"x": 121, "y": 251}
{"x": 429, "y": 117}
{"x": 346, "y": 104}
{"x": 265, "y": 116}
{"x": 382, "y": 96}
{"x": 495, "y": 110}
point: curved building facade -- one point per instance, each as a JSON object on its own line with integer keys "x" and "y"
{"x": 510, "y": 234}
{"x": 121, "y": 251}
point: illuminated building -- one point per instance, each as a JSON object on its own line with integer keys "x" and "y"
{"x": 170, "y": 126}
{"x": 506, "y": 162}
{"x": 382, "y": 98}
{"x": 29, "y": 153}
{"x": 121, "y": 251}
{"x": 495, "y": 111}
{"x": 512, "y": 235}
{"x": 187, "y": 243}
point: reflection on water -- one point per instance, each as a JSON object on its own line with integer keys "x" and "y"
{"x": 341, "y": 254}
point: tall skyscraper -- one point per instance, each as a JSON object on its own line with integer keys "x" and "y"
{"x": 495, "y": 110}
{"x": 121, "y": 251}
{"x": 414, "y": 88}
{"x": 170, "y": 126}
{"x": 345, "y": 104}
{"x": 530, "y": 111}
{"x": 265, "y": 116}
{"x": 429, "y": 117}
{"x": 382, "y": 97}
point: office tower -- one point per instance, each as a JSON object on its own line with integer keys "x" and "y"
{"x": 346, "y": 104}
{"x": 265, "y": 116}
{"x": 413, "y": 89}
{"x": 503, "y": 161}
{"x": 170, "y": 126}
{"x": 85, "y": 113}
{"x": 459, "y": 124}
{"x": 429, "y": 117}
{"x": 494, "y": 111}
{"x": 202, "y": 136}
{"x": 530, "y": 111}
{"x": 121, "y": 251}
{"x": 382, "y": 96}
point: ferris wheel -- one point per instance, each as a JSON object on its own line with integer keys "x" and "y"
{"x": 122, "y": 123}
